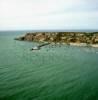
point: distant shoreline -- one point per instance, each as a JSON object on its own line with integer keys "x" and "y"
{"x": 52, "y": 30}
{"x": 71, "y": 38}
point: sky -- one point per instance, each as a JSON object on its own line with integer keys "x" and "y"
{"x": 48, "y": 14}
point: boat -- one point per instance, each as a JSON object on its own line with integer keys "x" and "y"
{"x": 36, "y": 48}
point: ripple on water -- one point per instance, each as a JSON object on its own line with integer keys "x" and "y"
{"x": 52, "y": 73}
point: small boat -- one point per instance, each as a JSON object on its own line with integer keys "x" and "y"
{"x": 36, "y": 48}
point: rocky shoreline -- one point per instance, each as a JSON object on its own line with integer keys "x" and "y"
{"x": 70, "y": 38}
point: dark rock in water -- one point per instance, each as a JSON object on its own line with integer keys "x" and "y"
{"x": 20, "y": 38}
{"x": 44, "y": 44}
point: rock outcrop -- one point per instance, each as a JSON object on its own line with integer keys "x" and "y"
{"x": 62, "y": 37}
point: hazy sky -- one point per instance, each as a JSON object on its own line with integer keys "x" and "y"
{"x": 48, "y": 14}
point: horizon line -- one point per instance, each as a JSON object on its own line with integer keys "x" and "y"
{"x": 54, "y": 30}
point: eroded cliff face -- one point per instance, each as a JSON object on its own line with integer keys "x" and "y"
{"x": 62, "y": 37}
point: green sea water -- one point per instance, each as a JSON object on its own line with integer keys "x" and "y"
{"x": 52, "y": 73}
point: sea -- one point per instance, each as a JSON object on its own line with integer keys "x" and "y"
{"x": 55, "y": 72}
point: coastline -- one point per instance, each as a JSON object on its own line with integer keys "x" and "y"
{"x": 70, "y": 38}
{"x": 84, "y": 45}
{"x": 76, "y": 44}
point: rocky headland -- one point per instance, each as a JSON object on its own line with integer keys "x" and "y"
{"x": 70, "y": 38}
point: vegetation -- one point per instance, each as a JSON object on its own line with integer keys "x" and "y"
{"x": 61, "y": 37}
